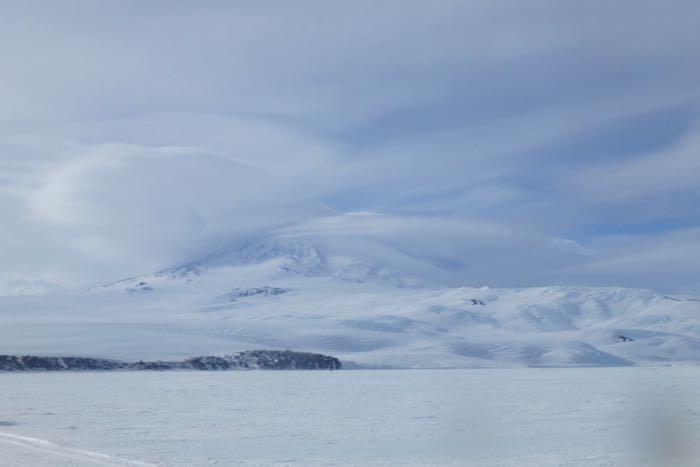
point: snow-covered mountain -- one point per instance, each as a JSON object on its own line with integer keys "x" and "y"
{"x": 348, "y": 247}
{"x": 370, "y": 247}
{"x": 365, "y": 300}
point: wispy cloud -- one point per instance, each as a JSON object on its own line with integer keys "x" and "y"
{"x": 568, "y": 120}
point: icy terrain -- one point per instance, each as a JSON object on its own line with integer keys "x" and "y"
{"x": 504, "y": 417}
{"x": 313, "y": 294}
{"x": 347, "y": 286}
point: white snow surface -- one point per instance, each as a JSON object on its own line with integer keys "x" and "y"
{"x": 639, "y": 416}
{"x": 373, "y": 305}
{"x": 377, "y": 308}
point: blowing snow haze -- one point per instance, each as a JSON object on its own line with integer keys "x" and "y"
{"x": 468, "y": 143}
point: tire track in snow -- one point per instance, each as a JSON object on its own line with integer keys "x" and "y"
{"x": 54, "y": 451}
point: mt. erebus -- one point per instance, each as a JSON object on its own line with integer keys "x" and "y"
{"x": 349, "y": 287}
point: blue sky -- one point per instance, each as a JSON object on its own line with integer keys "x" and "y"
{"x": 564, "y": 120}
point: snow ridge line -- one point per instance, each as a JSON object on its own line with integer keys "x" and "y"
{"x": 52, "y": 450}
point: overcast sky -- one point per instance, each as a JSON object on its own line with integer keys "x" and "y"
{"x": 132, "y": 132}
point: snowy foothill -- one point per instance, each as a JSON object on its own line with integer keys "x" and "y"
{"x": 310, "y": 293}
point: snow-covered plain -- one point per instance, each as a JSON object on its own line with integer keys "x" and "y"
{"x": 638, "y": 416}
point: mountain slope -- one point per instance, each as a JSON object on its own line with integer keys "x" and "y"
{"x": 224, "y": 309}
{"x": 352, "y": 287}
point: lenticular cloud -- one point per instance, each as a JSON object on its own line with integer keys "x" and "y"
{"x": 155, "y": 204}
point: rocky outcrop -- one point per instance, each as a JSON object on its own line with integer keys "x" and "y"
{"x": 210, "y": 363}
{"x": 31, "y": 362}
{"x": 286, "y": 360}
{"x": 238, "y": 293}
{"x": 251, "y": 359}
{"x": 140, "y": 287}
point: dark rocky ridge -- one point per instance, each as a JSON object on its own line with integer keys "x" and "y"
{"x": 248, "y": 360}
{"x": 236, "y": 294}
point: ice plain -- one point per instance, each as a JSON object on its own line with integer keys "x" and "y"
{"x": 635, "y": 416}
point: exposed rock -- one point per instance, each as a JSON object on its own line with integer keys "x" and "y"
{"x": 251, "y": 359}
{"x": 30, "y": 362}
{"x": 140, "y": 288}
{"x": 684, "y": 299}
{"x": 285, "y": 360}
{"x": 208, "y": 363}
{"x": 238, "y": 293}
{"x": 158, "y": 365}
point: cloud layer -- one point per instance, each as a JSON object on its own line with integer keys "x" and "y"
{"x": 133, "y": 133}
